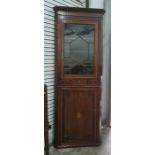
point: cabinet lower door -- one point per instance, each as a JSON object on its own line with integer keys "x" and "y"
{"x": 77, "y": 117}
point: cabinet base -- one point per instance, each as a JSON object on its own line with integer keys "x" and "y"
{"x": 76, "y": 145}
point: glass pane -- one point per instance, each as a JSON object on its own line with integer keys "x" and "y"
{"x": 79, "y": 49}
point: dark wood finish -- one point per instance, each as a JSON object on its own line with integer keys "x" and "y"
{"x": 77, "y": 96}
{"x": 78, "y": 110}
{"x": 46, "y": 121}
{"x": 74, "y": 9}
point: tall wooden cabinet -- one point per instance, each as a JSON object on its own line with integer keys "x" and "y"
{"x": 78, "y": 34}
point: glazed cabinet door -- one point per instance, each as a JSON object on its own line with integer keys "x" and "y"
{"x": 78, "y": 115}
{"x": 78, "y": 53}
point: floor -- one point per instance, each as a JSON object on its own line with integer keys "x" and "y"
{"x": 104, "y": 149}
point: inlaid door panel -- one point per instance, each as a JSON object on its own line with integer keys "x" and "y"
{"x": 79, "y": 114}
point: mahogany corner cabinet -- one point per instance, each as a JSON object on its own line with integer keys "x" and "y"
{"x": 78, "y": 46}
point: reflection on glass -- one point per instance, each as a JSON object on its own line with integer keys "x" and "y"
{"x": 78, "y": 49}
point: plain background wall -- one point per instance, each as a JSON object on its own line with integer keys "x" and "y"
{"x": 106, "y": 76}
{"x": 96, "y": 4}
{"x": 106, "y": 84}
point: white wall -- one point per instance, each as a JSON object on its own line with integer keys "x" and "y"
{"x": 96, "y": 4}
{"x": 106, "y": 93}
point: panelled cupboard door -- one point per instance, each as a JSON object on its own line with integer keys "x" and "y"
{"x": 78, "y": 38}
{"x": 78, "y": 116}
